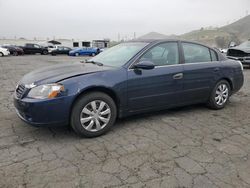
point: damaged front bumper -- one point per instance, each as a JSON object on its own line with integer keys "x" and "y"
{"x": 243, "y": 60}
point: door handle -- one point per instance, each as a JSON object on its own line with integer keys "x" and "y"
{"x": 178, "y": 76}
{"x": 216, "y": 69}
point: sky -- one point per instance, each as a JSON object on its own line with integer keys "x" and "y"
{"x": 98, "y": 19}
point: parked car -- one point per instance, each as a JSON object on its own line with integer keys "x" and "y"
{"x": 223, "y": 50}
{"x": 130, "y": 78}
{"x": 61, "y": 50}
{"x": 4, "y": 52}
{"x": 84, "y": 51}
{"x": 241, "y": 53}
{"x": 14, "y": 50}
{"x": 30, "y": 48}
{"x": 51, "y": 48}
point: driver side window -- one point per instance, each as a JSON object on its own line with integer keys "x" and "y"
{"x": 163, "y": 54}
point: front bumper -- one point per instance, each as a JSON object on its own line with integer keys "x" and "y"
{"x": 50, "y": 112}
{"x": 243, "y": 60}
{"x": 6, "y": 53}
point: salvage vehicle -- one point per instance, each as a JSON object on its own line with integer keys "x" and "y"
{"x": 4, "y": 52}
{"x": 241, "y": 53}
{"x": 60, "y": 50}
{"x": 127, "y": 79}
{"x": 84, "y": 51}
{"x": 14, "y": 50}
{"x": 30, "y": 48}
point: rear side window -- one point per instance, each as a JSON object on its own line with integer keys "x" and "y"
{"x": 213, "y": 55}
{"x": 195, "y": 53}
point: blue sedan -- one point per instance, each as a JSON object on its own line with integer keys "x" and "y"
{"x": 84, "y": 51}
{"x": 130, "y": 78}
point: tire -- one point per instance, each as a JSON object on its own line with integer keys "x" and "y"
{"x": 96, "y": 122}
{"x": 93, "y": 54}
{"x": 76, "y": 54}
{"x": 15, "y": 53}
{"x": 220, "y": 95}
{"x": 1, "y": 54}
{"x": 44, "y": 52}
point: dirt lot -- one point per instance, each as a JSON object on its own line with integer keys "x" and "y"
{"x": 185, "y": 147}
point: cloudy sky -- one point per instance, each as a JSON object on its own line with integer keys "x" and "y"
{"x": 97, "y": 19}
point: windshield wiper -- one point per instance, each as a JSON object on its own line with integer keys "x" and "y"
{"x": 94, "y": 62}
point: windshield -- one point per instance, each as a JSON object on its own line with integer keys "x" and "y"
{"x": 119, "y": 54}
{"x": 245, "y": 44}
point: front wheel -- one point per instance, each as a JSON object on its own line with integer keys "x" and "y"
{"x": 220, "y": 95}
{"x": 1, "y": 54}
{"x": 93, "y": 114}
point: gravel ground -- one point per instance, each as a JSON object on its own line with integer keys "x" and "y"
{"x": 185, "y": 147}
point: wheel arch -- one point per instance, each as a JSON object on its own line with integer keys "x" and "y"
{"x": 229, "y": 81}
{"x": 102, "y": 89}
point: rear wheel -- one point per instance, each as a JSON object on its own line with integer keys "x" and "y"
{"x": 44, "y": 52}
{"x": 1, "y": 54}
{"x": 15, "y": 53}
{"x": 93, "y": 114}
{"x": 93, "y": 54}
{"x": 220, "y": 95}
{"x": 76, "y": 54}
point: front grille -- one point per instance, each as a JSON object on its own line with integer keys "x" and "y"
{"x": 20, "y": 90}
{"x": 237, "y": 53}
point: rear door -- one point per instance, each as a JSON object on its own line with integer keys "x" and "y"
{"x": 29, "y": 48}
{"x": 60, "y": 50}
{"x": 201, "y": 71}
{"x": 158, "y": 87}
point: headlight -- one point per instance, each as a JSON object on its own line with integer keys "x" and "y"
{"x": 47, "y": 91}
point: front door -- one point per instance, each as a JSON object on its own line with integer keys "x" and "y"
{"x": 158, "y": 87}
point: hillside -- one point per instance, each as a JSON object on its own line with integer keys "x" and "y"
{"x": 240, "y": 28}
{"x": 216, "y": 37}
{"x": 238, "y": 31}
{"x": 153, "y": 35}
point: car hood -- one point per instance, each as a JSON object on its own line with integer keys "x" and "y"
{"x": 246, "y": 50}
{"x": 56, "y": 73}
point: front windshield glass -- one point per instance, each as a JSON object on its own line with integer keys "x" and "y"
{"x": 119, "y": 54}
{"x": 245, "y": 44}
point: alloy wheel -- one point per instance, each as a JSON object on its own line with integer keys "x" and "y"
{"x": 95, "y": 115}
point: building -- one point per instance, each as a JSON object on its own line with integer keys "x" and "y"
{"x": 81, "y": 44}
{"x": 94, "y": 43}
{"x": 100, "y": 43}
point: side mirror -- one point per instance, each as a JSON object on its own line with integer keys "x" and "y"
{"x": 147, "y": 65}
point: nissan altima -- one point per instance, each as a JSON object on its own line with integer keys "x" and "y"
{"x": 130, "y": 78}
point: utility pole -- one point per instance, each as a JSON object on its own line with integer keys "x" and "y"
{"x": 118, "y": 37}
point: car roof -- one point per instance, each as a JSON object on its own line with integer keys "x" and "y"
{"x": 166, "y": 40}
